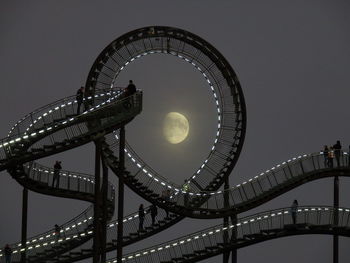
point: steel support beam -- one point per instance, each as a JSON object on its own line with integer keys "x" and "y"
{"x": 97, "y": 205}
{"x": 104, "y": 210}
{"x": 24, "y": 223}
{"x": 234, "y": 235}
{"x": 121, "y": 195}
{"x": 226, "y": 255}
{"x": 336, "y": 219}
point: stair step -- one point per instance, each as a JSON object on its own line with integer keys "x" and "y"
{"x": 35, "y": 150}
{"x": 200, "y": 252}
{"x": 59, "y": 120}
{"x": 64, "y": 256}
{"x": 252, "y": 236}
{"x": 109, "y": 245}
{"x": 154, "y": 195}
{"x": 49, "y": 146}
{"x": 148, "y": 191}
{"x": 211, "y": 247}
{"x": 269, "y": 231}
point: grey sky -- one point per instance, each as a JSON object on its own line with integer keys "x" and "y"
{"x": 292, "y": 59}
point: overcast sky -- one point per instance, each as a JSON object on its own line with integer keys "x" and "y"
{"x": 291, "y": 57}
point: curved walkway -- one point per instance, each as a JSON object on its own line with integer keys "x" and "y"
{"x": 248, "y": 230}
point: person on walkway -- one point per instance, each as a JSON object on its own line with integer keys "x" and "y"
{"x": 166, "y": 197}
{"x": 56, "y": 174}
{"x": 57, "y": 231}
{"x": 154, "y": 212}
{"x": 80, "y": 98}
{"x": 186, "y": 189}
{"x": 325, "y": 154}
{"x": 131, "y": 88}
{"x": 294, "y": 211}
{"x": 8, "y": 253}
{"x": 330, "y": 157}
{"x": 141, "y": 217}
{"x": 337, "y": 152}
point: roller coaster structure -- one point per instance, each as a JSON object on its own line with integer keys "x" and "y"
{"x": 57, "y": 127}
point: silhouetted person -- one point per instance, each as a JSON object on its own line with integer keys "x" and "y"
{"x": 80, "y": 98}
{"x": 166, "y": 197}
{"x": 8, "y": 253}
{"x": 337, "y": 151}
{"x": 131, "y": 88}
{"x": 57, "y": 231}
{"x": 56, "y": 174}
{"x": 88, "y": 92}
{"x": 128, "y": 91}
{"x": 154, "y": 212}
{"x": 294, "y": 210}
{"x": 325, "y": 154}
{"x": 141, "y": 217}
{"x": 186, "y": 189}
{"x": 330, "y": 157}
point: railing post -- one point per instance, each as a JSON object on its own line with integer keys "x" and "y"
{"x": 121, "y": 195}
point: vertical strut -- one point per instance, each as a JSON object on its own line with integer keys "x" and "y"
{"x": 104, "y": 210}
{"x": 121, "y": 195}
{"x": 336, "y": 220}
{"x": 234, "y": 236}
{"x": 97, "y": 204}
{"x": 24, "y": 223}
{"x": 226, "y": 255}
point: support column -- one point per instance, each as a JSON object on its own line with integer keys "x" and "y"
{"x": 234, "y": 236}
{"x": 24, "y": 223}
{"x": 97, "y": 204}
{"x": 336, "y": 220}
{"x": 226, "y": 255}
{"x": 104, "y": 210}
{"x": 121, "y": 195}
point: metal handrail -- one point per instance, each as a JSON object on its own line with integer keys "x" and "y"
{"x": 249, "y": 225}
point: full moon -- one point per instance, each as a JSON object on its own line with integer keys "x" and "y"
{"x": 175, "y": 127}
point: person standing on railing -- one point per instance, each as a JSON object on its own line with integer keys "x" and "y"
{"x": 141, "y": 217}
{"x": 8, "y": 253}
{"x": 337, "y": 151}
{"x": 330, "y": 157}
{"x": 56, "y": 174}
{"x": 80, "y": 98}
{"x": 294, "y": 210}
{"x": 154, "y": 212}
{"x": 325, "y": 154}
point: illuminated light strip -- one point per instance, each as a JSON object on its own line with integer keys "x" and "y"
{"x": 271, "y": 214}
{"x": 218, "y": 110}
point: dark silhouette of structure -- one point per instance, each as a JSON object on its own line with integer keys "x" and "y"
{"x": 201, "y": 196}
